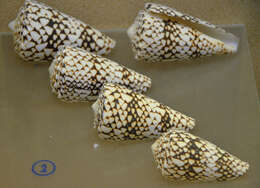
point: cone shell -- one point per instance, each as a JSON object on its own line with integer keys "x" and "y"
{"x": 122, "y": 114}
{"x": 183, "y": 156}
{"x": 40, "y": 30}
{"x": 162, "y": 33}
{"x": 77, "y": 75}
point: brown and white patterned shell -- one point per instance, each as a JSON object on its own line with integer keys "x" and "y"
{"x": 40, "y": 30}
{"x": 183, "y": 156}
{"x": 122, "y": 114}
{"x": 78, "y": 75}
{"x": 162, "y": 33}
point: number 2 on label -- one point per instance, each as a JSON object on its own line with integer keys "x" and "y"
{"x": 43, "y": 168}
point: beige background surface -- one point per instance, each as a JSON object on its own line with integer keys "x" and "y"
{"x": 109, "y": 14}
{"x": 35, "y": 125}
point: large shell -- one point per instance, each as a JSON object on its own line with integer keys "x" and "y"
{"x": 162, "y": 33}
{"x": 183, "y": 156}
{"x": 40, "y": 30}
{"x": 77, "y": 75}
{"x": 122, "y": 114}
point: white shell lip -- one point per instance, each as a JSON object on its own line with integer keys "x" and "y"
{"x": 231, "y": 41}
{"x": 51, "y": 68}
{"x": 11, "y": 25}
{"x": 97, "y": 112}
{"x": 171, "y": 12}
{"x": 113, "y": 43}
{"x": 95, "y": 107}
{"x": 131, "y": 31}
{"x": 154, "y": 146}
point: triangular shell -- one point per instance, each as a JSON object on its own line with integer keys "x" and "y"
{"x": 77, "y": 75}
{"x": 183, "y": 156}
{"x": 122, "y": 114}
{"x": 39, "y": 31}
{"x": 162, "y": 33}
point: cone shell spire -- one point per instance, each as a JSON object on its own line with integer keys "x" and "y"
{"x": 77, "y": 75}
{"x": 162, "y": 33}
{"x": 122, "y": 114}
{"x": 40, "y": 30}
{"x": 183, "y": 156}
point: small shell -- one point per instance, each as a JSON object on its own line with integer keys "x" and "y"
{"x": 122, "y": 114}
{"x": 183, "y": 156}
{"x": 162, "y": 33}
{"x": 77, "y": 75}
{"x": 40, "y": 30}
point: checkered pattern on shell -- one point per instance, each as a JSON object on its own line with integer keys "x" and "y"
{"x": 183, "y": 156}
{"x": 122, "y": 114}
{"x": 78, "y": 75}
{"x": 156, "y": 38}
{"x": 40, "y": 30}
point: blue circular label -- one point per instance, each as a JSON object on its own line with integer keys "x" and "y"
{"x": 43, "y": 168}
